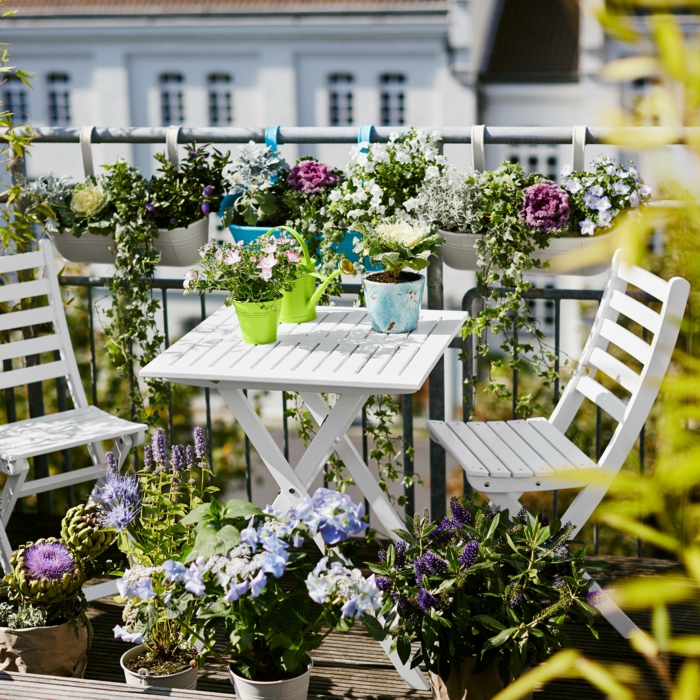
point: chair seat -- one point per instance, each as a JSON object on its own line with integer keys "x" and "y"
{"x": 61, "y": 431}
{"x": 514, "y": 456}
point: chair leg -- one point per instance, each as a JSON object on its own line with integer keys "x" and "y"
{"x": 5, "y": 550}
{"x": 612, "y": 613}
{"x": 12, "y": 489}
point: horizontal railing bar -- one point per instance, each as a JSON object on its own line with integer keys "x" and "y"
{"x": 348, "y": 134}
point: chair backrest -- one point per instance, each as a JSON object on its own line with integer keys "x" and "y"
{"x": 654, "y": 357}
{"x": 46, "y": 285}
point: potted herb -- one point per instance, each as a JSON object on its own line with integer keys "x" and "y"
{"x": 274, "y": 601}
{"x": 182, "y": 196}
{"x": 256, "y": 182}
{"x": 394, "y": 296}
{"x": 485, "y": 595}
{"x": 148, "y": 512}
{"x": 255, "y": 276}
{"x": 44, "y": 627}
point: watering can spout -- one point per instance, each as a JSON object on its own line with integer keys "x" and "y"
{"x": 344, "y": 267}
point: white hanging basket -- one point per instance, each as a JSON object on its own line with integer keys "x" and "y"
{"x": 178, "y": 248}
{"x": 580, "y": 255}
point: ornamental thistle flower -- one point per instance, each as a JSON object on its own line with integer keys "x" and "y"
{"x": 83, "y": 529}
{"x": 546, "y": 207}
{"x": 45, "y": 572}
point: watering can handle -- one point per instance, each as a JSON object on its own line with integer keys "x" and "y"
{"x": 300, "y": 240}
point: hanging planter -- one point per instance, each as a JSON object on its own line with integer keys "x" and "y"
{"x": 185, "y": 679}
{"x": 566, "y": 255}
{"x": 296, "y": 688}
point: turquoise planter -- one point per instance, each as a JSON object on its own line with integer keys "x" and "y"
{"x": 346, "y": 247}
{"x": 394, "y": 308}
{"x": 247, "y": 234}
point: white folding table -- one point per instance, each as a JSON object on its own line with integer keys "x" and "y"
{"x": 337, "y": 353}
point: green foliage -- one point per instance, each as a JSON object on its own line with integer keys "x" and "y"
{"x": 22, "y": 617}
{"x": 482, "y": 584}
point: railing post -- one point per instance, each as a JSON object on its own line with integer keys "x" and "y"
{"x": 436, "y": 402}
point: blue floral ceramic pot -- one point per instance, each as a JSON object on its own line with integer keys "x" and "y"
{"x": 394, "y": 307}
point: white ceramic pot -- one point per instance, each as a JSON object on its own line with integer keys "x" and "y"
{"x": 292, "y": 689}
{"x": 186, "y": 679}
{"x": 580, "y": 255}
{"x": 178, "y": 248}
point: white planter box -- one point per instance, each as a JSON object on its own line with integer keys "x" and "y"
{"x": 583, "y": 255}
{"x": 178, "y": 248}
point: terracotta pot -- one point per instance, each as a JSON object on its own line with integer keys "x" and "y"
{"x": 186, "y": 679}
{"x": 50, "y": 651}
{"x": 464, "y": 685}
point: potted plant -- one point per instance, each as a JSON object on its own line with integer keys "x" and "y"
{"x": 484, "y": 594}
{"x": 44, "y": 627}
{"x": 255, "y": 276}
{"x": 251, "y": 577}
{"x": 182, "y": 196}
{"x": 394, "y": 296}
{"x": 148, "y": 512}
{"x": 256, "y": 182}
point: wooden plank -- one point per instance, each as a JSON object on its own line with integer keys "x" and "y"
{"x": 562, "y": 444}
{"x": 644, "y": 280}
{"x": 23, "y": 261}
{"x": 542, "y": 447}
{"x": 37, "y": 373}
{"x": 499, "y": 449}
{"x": 24, "y": 290}
{"x": 31, "y": 346}
{"x": 602, "y": 397}
{"x": 490, "y": 461}
{"x": 535, "y": 462}
{"x": 636, "y": 311}
{"x": 444, "y": 434}
{"x": 615, "y": 369}
{"x": 30, "y": 317}
{"x": 626, "y": 340}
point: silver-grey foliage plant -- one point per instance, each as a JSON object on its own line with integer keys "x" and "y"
{"x": 448, "y": 200}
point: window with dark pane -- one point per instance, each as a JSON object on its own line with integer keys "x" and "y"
{"x": 340, "y": 99}
{"x": 59, "y": 110}
{"x": 552, "y": 170}
{"x": 15, "y": 99}
{"x": 172, "y": 100}
{"x": 392, "y": 99}
{"x": 220, "y": 99}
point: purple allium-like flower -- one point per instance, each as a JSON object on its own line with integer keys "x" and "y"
{"x": 189, "y": 457}
{"x": 383, "y": 583}
{"x": 200, "y": 443}
{"x": 426, "y": 600}
{"x": 120, "y": 488}
{"x": 159, "y": 447}
{"x": 177, "y": 458}
{"x": 48, "y": 560}
{"x": 459, "y": 513}
{"x": 310, "y": 177}
{"x": 206, "y": 208}
{"x": 400, "y": 554}
{"x": 208, "y": 191}
{"x": 469, "y": 555}
{"x": 381, "y": 555}
{"x": 431, "y": 564}
{"x": 546, "y": 207}
{"x": 112, "y": 470}
{"x": 121, "y": 515}
{"x": 147, "y": 457}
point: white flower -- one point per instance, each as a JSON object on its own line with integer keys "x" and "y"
{"x": 190, "y": 277}
{"x": 587, "y": 227}
{"x": 634, "y": 199}
{"x": 598, "y": 191}
{"x": 432, "y": 171}
{"x": 610, "y": 169}
{"x": 358, "y": 196}
{"x": 405, "y": 233}
{"x": 604, "y": 219}
{"x": 335, "y": 196}
{"x": 402, "y": 157}
{"x": 645, "y": 190}
{"x": 603, "y": 204}
{"x": 410, "y": 204}
{"x": 566, "y": 170}
{"x": 87, "y": 199}
{"x": 621, "y": 187}
{"x": 574, "y": 185}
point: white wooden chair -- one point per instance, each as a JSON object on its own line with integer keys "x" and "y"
{"x": 504, "y": 459}
{"x": 83, "y": 425}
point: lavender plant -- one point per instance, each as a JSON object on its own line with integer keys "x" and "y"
{"x": 234, "y": 573}
{"x": 482, "y": 584}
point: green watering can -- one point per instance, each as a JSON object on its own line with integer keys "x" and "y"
{"x": 299, "y": 304}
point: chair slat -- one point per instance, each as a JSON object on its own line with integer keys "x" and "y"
{"x": 636, "y": 311}
{"x": 31, "y": 346}
{"x": 646, "y": 281}
{"x": 442, "y": 433}
{"x": 22, "y": 319}
{"x": 535, "y": 462}
{"x": 602, "y": 397}
{"x": 542, "y": 447}
{"x": 23, "y": 261}
{"x": 480, "y": 451}
{"x": 495, "y": 444}
{"x": 562, "y": 444}
{"x": 29, "y": 375}
{"x": 626, "y": 340}
{"x": 24, "y": 290}
{"x": 615, "y": 369}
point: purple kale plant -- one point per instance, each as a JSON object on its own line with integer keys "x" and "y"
{"x": 310, "y": 177}
{"x": 546, "y": 207}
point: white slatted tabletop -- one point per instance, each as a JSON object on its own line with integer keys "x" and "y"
{"x": 338, "y": 352}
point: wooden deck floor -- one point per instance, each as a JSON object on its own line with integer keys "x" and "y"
{"x": 354, "y": 665}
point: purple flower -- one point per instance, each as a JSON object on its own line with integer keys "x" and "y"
{"x": 147, "y": 457}
{"x": 48, "y": 560}
{"x": 118, "y": 489}
{"x": 516, "y": 595}
{"x": 112, "y": 470}
{"x": 443, "y": 533}
{"x": 150, "y": 207}
{"x": 383, "y": 583}
{"x": 200, "y": 443}
{"x": 191, "y": 154}
{"x": 173, "y": 221}
{"x": 177, "y": 458}
{"x": 189, "y": 457}
{"x": 208, "y": 191}
{"x": 469, "y": 555}
{"x": 206, "y": 208}
{"x": 426, "y": 600}
{"x": 381, "y": 555}
{"x": 546, "y": 207}
{"x": 543, "y": 518}
{"x": 159, "y": 447}
{"x": 460, "y": 514}
{"x": 400, "y": 554}
{"x": 431, "y": 564}
{"x": 596, "y": 597}
{"x": 310, "y": 177}
{"x": 120, "y": 515}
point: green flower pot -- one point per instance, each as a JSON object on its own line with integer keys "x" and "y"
{"x": 258, "y": 320}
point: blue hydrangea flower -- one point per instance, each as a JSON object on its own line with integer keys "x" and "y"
{"x": 194, "y": 581}
{"x": 258, "y": 584}
{"x": 274, "y": 564}
{"x": 333, "y": 515}
{"x": 249, "y": 535}
{"x": 236, "y": 590}
{"x": 123, "y": 634}
{"x": 174, "y": 570}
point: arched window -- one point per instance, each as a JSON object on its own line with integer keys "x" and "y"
{"x": 340, "y": 99}
{"x": 392, "y": 99}
{"x": 220, "y": 99}
{"x": 15, "y": 98}
{"x": 59, "y": 108}
{"x": 172, "y": 102}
